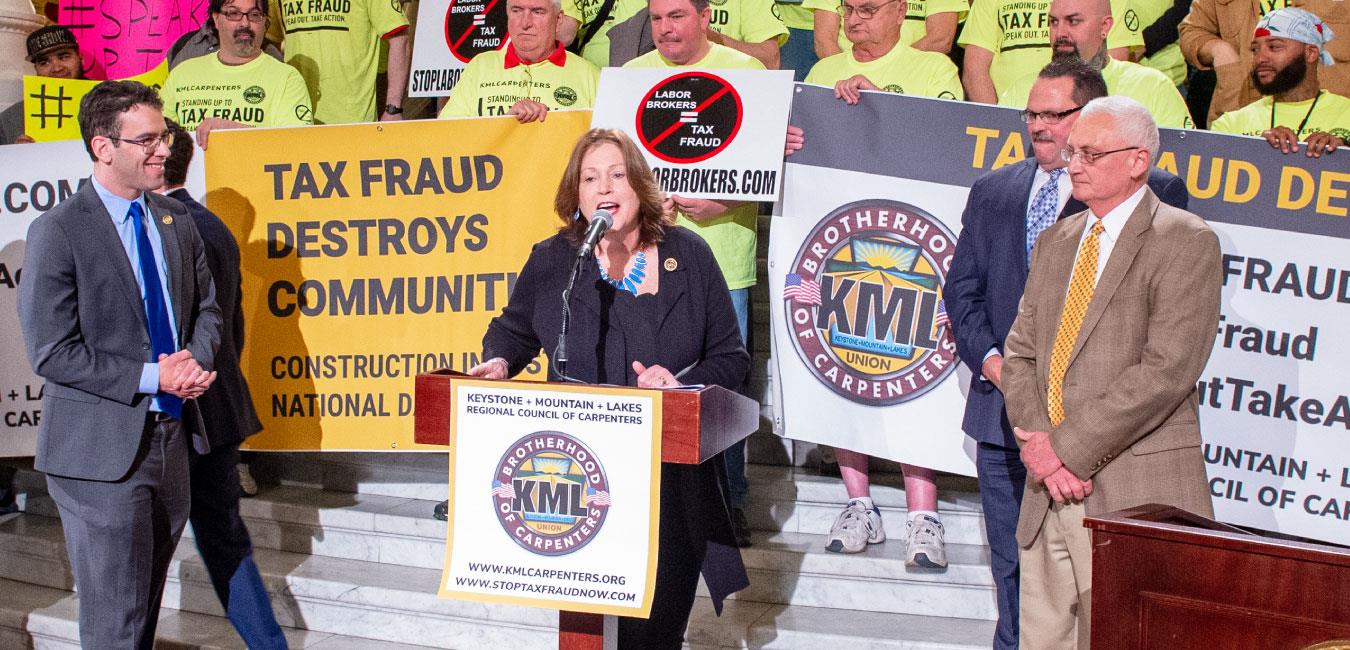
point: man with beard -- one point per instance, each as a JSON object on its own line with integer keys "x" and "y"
{"x": 54, "y": 53}
{"x": 1006, "y": 211}
{"x": 1287, "y": 46}
{"x": 1078, "y": 28}
{"x": 528, "y": 77}
{"x": 236, "y": 87}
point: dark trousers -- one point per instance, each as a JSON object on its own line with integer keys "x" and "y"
{"x": 120, "y": 537}
{"x": 1002, "y": 477}
{"x": 677, "y": 569}
{"x": 223, "y": 542}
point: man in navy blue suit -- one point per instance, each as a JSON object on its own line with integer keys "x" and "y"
{"x": 1005, "y": 212}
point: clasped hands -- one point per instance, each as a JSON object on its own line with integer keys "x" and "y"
{"x": 1044, "y": 466}
{"x": 181, "y": 376}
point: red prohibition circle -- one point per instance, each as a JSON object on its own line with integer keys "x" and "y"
{"x": 460, "y": 27}
{"x": 709, "y": 94}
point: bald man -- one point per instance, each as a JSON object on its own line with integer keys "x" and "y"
{"x": 1079, "y": 28}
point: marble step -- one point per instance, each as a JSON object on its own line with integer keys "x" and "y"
{"x": 332, "y": 596}
{"x": 32, "y": 616}
{"x": 782, "y": 497}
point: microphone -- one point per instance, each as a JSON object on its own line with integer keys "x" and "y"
{"x": 601, "y": 220}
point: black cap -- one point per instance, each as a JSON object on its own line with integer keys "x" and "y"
{"x": 46, "y": 39}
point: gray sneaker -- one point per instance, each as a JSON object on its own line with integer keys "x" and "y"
{"x": 923, "y": 543}
{"x": 855, "y": 528}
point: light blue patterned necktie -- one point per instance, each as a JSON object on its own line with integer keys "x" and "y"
{"x": 1044, "y": 209}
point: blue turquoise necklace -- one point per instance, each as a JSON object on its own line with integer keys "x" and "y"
{"x": 631, "y": 281}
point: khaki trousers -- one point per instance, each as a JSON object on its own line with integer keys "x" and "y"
{"x": 1055, "y": 609}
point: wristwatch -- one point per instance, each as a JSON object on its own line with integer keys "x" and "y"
{"x": 390, "y": 109}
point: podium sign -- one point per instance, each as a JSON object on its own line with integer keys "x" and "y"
{"x": 554, "y": 496}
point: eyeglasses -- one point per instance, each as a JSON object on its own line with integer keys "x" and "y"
{"x": 1049, "y": 117}
{"x": 1090, "y": 157}
{"x": 149, "y": 143}
{"x": 234, "y": 15}
{"x": 865, "y": 12}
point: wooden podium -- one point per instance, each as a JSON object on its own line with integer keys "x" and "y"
{"x": 696, "y": 424}
{"x": 1165, "y": 578}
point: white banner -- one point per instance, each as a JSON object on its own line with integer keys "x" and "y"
{"x": 34, "y": 179}
{"x": 865, "y": 357}
{"x": 695, "y": 127}
{"x": 449, "y": 34}
{"x": 554, "y": 496}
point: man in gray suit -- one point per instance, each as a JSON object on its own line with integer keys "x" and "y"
{"x": 119, "y": 315}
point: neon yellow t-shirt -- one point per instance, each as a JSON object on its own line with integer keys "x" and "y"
{"x": 1141, "y": 83}
{"x": 794, "y": 15}
{"x": 730, "y": 235}
{"x": 488, "y": 87}
{"x": 752, "y": 21}
{"x": 262, "y": 92}
{"x": 584, "y": 11}
{"x": 335, "y": 46}
{"x": 916, "y": 13}
{"x": 1167, "y": 60}
{"x": 1017, "y": 32}
{"x": 903, "y": 70}
{"x": 1331, "y": 114}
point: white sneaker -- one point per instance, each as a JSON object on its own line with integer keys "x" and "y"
{"x": 924, "y": 546}
{"x": 855, "y": 528}
{"x": 246, "y": 483}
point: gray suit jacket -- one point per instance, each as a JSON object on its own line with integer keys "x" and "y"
{"x": 1131, "y": 411}
{"x": 85, "y": 328}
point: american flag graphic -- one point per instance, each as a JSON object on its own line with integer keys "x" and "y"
{"x": 596, "y": 497}
{"x": 803, "y": 290}
{"x": 503, "y": 490}
{"x": 941, "y": 319}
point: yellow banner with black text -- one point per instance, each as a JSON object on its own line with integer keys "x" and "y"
{"x": 371, "y": 253}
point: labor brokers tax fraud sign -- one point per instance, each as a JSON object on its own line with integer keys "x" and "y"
{"x": 713, "y": 134}
{"x": 449, "y": 34}
{"x": 372, "y": 253}
{"x": 553, "y": 496}
{"x": 859, "y": 256}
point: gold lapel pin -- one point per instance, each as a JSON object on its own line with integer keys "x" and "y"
{"x": 168, "y": 220}
{"x": 671, "y": 264}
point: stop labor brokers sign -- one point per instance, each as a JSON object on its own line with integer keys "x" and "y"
{"x": 713, "y": 134}
{"x": 450, "y": 33}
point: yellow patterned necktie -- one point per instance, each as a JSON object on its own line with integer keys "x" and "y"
{"x": 1075, "y": 307}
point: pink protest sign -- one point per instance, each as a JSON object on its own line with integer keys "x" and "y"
{"x": 123, "y": 38}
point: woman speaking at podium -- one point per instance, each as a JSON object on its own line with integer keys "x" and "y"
{"x": 651, "y": 310}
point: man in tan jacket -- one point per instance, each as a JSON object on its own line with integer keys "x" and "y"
{"x": 1217, "y": 34}
{"x": 1100, "y": 366}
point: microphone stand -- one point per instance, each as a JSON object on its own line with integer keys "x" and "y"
{"x": 560, "y": 352}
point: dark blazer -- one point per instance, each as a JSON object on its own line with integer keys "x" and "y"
{"x": 84, "y": 324}
{"x": 989, "y": 273}
{"x": 227, "y": 407}
{"x": 694, "y": 327}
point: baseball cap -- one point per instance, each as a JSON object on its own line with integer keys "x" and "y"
{"x": 49, "y": 38}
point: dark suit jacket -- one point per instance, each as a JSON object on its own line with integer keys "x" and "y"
{"x": 1130, "y": 401}
{"x": 989, "y": 272}
{"x": 694, "y": 326}
{"x": 227, "y": 407}
{"x": 84, "y": 324}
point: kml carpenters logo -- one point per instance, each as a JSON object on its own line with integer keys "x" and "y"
{"x": 550, "y": 493}
{"x": 689, "y": 117}
{"x": 474, "y": 26}
{"x": 864, "y": 302}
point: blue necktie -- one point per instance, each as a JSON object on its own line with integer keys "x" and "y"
{"x": 156, "y": 314}
{"x": 1044, "y": 209}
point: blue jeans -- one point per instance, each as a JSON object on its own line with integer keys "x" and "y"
{"x": 734, "y": 456}
{"x": 799, "y": 53}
